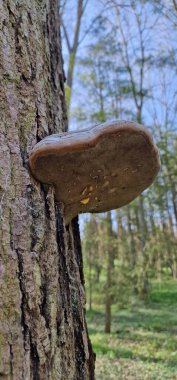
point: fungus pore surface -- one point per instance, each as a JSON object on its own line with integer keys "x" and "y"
{"x": 97, "y": 169}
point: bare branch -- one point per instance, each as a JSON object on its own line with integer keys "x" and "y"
{"x": 84, "y": 6}
{"x": 62, "y": 8}
{"x": 175, "y": 5}
{"x": 127, "y": 61}
{"x": 66, "y": 36}
{"x": 88, "y": 30}
{"x": 78, "y": 24}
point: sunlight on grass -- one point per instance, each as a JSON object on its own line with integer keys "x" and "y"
{"x": 143, "y": 342}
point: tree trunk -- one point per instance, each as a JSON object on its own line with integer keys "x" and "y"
{"x": 43, "y": 334}
{"x": 143, "y": 286}
{"x": 132, "y": 251}
{"x": 72, "y": 50}
{"x": 109, "y": 274}
{"x": 90, "y": 286}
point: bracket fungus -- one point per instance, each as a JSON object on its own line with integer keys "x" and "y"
{"x": 97, "y": 169}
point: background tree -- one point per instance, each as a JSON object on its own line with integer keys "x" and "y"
{"x": 126, "y": 69}
{"x": 71, "y": 46}
{"x": 127, "y": 73}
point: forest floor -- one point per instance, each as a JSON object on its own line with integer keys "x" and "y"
{"x": 143, "y": 342}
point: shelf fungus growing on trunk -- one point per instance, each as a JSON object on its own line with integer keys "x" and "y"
{"x": 96, "y": 169}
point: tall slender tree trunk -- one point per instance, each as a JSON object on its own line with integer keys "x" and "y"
{"x": 72, "y": 49}
{"x": 90, "y": 285}
{"x": 120, "y": 237}
{"x": 143, "y": 274}
{"x": 109, "y": 274}
{"x": 43, "y": 334}
{"x": 132, "y": 251}
{"x": 132, "y": 240}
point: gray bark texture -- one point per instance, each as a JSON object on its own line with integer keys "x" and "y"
{"x": 43, "y": 333}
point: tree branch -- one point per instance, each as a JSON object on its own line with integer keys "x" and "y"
{"x": 66, "y": 36}
{"x": 175, "y": 5}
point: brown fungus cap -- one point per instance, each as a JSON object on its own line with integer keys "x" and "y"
{"x": 97, "y": 169}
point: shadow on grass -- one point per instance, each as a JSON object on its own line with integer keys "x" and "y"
{"x": 121, "y": 353}
{"x": 150, "y": 320}
{"x": 163, "y": 298}
{"x": 116, "y": 353}
{"x": 147, "y": 320}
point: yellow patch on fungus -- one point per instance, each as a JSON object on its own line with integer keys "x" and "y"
{"x": 85, "y": 201}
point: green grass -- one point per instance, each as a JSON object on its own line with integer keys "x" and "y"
{"x": 143, "y": 342}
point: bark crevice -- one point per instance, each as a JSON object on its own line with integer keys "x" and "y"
{"x": 23, "y": 304}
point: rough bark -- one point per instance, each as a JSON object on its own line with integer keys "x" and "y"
{"x": 43, "y": 334}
